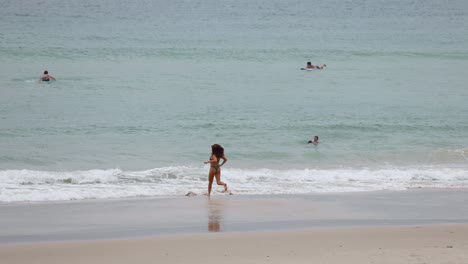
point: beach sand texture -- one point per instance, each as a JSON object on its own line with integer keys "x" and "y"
{"x": 411, "y": 244}
{"x": 412, "y": 226}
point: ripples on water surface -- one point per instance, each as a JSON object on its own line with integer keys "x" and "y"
{"x": 148, "y": 86}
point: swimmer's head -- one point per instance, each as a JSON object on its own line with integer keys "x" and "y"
{"x": 316, "y": 138}
{"x": 309, "y": 63}
{"x": 46, "y": 72}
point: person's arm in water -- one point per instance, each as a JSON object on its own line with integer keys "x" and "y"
{"x": 47, "y": 77}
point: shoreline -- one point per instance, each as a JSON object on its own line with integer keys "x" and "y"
{"x": 356, "y": 245}
{"x": 385, "y": 227}
{"x": 134, "y": 218}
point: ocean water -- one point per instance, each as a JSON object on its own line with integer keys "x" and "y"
{"x": 145, "y": 87}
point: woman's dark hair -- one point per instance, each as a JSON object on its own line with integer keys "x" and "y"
{"x": 309, "y": 63}
{"x": 217, "y": 150}
{"x": 46, "y": 72}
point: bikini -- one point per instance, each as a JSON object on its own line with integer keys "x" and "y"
{"x": 216, "y": 167}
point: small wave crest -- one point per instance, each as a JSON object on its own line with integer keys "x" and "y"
{"x": 29, "y": 177}
{"x": 30, "y": 185}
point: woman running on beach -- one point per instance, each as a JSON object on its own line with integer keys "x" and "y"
{"x": 217, "y": 153}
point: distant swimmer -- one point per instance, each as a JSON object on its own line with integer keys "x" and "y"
{"x": 46, "y": 77}
{"x": 314, "y": 141}
{"x": 217, "y": 153}
{"x": 310, "y": 66}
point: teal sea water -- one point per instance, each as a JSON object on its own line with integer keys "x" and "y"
{"x": 145, "y": 87}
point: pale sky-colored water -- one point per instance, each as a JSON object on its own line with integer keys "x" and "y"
{"x": 152, "y": 84}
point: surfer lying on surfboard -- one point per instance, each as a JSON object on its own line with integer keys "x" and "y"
{"x": 310, "y": 66}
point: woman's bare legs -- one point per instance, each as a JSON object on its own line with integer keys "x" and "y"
{"x": 211, "y": 175}
{"x": 218, "y": 180}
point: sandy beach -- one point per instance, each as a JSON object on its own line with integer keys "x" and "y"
{"x": 414, "y": 226}
{"x": 97, "y": 158}
{"x": 415, "y": 244}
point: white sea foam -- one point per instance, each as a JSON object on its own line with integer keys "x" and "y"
{"x": 28, "y": 185}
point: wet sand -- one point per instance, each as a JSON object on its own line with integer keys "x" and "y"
{"x": 359, "y": 245}
{"x": 414, "y": 226}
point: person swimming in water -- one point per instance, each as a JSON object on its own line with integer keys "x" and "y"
{"x": 217, "y": 153}
{"x": 46, "y": 77}
{"x": 311, "y": 66}
{"x": 314, "y": 141}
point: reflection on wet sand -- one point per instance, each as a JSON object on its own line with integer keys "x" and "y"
{"x": 214, "y": 215}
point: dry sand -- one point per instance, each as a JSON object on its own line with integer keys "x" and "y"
{"x": 357, "y": 245}
{"x": 415, "y": 226}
